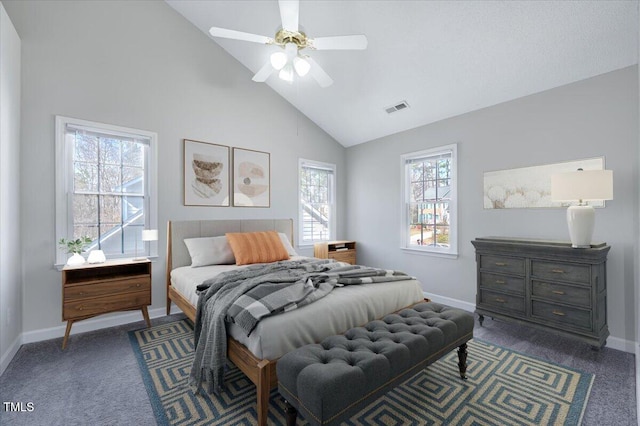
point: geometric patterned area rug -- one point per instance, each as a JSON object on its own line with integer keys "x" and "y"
{"x": 503, "y": 387}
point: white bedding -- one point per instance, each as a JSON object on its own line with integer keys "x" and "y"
{"x": 343, "y": 308}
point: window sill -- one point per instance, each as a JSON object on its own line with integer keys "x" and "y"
{"x": 153, "y": 259}
{"x": 426, "y": 252}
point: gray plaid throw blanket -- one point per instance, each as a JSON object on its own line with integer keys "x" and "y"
{"x": 247, "y": 295}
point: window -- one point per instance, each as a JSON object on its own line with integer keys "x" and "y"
{"x": 430, "y": 201}
{"x": 105, "y": 187}
{"x": 317, "y": 214}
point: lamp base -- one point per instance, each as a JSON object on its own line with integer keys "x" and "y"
{"x": 581, "y": 220}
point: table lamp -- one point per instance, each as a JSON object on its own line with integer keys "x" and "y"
{"x": 147, "y": 235}
{"x": 582, "y": 186}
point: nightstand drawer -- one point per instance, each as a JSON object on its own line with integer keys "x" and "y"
{"x": 502, "y": 301}
{"x": 580, "y": 296}
{"x": 563, "y": 315}
{"x": 104, "y": 288}
{"x": 99, "y": 305}
{"x": 560, "y": 271}
{"x": 509, "y": 265}
{"x": 344, "y": 256}
{"x": 502, "y": 282}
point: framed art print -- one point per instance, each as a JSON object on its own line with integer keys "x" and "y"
{"x": 530, "y": 187}
{"x": 251, "y": 178}
{"x": 206, "y": 174}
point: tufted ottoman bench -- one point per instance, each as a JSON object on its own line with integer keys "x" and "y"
{"x": 330, "y": 381}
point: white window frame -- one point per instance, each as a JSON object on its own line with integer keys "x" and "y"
{"x": 452, "y": 250}
{"x": 332, "y": 221}
{"x": 64, "y": 181}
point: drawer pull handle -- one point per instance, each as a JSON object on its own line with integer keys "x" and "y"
{"x": 499, "y": 282}
{"x": 501, "y": 264}
{"x": 138, "y": 285}
{"x": 560, "y": 314}
{"x": 499, "y": 300}
{"x": 557, "y": 271}
{"x": 557, "y": 292}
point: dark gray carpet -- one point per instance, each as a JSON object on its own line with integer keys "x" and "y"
{"x": 96, "y": 380}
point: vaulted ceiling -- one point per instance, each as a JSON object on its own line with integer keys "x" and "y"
{"x": 444, "y": 58}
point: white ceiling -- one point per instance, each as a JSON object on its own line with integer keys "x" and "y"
{"x": 444, "y": 58}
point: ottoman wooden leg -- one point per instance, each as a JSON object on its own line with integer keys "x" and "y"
{"x": 291, "y": 412}
{"x": 462, "y": 360}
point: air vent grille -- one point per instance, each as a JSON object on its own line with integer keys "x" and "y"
{"x": 397, "y": 107}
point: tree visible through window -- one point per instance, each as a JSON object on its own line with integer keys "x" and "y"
{"x": 317, "y": 201}
{"x": 430, "y": 200}
{"x": 107, "y": 186}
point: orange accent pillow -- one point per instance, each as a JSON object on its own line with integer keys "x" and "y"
{"x": 256, "y": 247}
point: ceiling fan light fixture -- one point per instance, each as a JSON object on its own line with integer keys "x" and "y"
{"x": 278, "y": 60}
{"x": 286, "y": 73}
{"x": 301, "y": 65}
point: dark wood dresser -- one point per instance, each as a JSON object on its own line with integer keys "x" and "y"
{"x": 544, "y": 284}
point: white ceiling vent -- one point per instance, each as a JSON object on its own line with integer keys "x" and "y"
{"x": 398, "y": 107}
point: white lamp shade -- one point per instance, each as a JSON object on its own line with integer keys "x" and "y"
{"x": 278, "y": 60}
{"x": 149, "y": 235}
{"x": 301, "y": 65}
{"x": 584, "y": 185}
{"x": 286, "y": 73}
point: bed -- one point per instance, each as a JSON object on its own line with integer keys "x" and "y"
{"x": 256, "y": 355}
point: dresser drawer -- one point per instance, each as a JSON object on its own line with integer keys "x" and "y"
{"x": 103, "y": 288}
{"x": 344, "y": 256}
{"x": 560, "y": 271}
{"x": 502, "y": 301}
{"x": 509, "y": 265}
{"x": 502, "y": 282}
{"x": 580, "y": 296}
{"x": 561, "y": 315}
{"x": 101, "y": 305}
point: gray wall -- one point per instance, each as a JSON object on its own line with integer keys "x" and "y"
{"x": 591, "y": 118}
{"x": 10, "y": 258}
{"x": 140, "y": 64}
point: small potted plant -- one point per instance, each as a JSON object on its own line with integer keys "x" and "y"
{"x": 76, "y": 247}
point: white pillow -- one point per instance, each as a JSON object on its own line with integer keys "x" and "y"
{"x": 287, "y": 244}
{"x": 209, "y": 251}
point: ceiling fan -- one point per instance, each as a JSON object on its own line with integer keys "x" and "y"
{"x": 293, "y": 41}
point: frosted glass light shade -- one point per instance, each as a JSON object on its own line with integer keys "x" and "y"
{"x": 278, "y": 60}
{"x": 301, "y": 65}
{"x": 149, "y": 235}
{"x": 286, "y": 73}
{"x": 582, "y": 185}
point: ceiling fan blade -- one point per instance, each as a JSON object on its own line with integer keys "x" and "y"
{"x": 349, "y": 42}
{"x": 289, "y": 12}
{"x": 318, "y": 73}
{"x": 239, "y": 35}
{"x": 263, "y": 74}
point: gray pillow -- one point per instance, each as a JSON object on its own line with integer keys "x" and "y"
{"x": 209, "y": 251}
{"x": 287, "y": 244}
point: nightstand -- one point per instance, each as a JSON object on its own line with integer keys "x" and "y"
{"x": 342, "y": 251}
{"x": 95, "y": 289}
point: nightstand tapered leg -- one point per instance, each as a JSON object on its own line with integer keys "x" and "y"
{"x": 145, "y": 314}
{"x": 66, "y": 334}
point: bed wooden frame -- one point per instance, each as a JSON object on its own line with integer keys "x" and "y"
{"x": 262, "y": 372}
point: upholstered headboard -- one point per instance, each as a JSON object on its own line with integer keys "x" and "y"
{"x": 177, "y": 231}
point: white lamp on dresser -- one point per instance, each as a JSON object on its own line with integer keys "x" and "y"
{"x": 582, "y": 186}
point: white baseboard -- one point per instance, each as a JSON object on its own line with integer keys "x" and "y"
{"x": 612, "y": 342}
{"x": 92, "y": 324}
{"x": 10, "y": 353}
{"x": 471, "y": 307}
{"x": 638, "y": 380}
